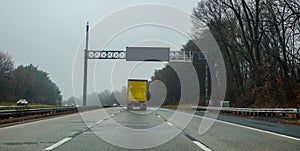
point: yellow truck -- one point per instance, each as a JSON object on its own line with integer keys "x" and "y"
{"x": 137, "y": 94}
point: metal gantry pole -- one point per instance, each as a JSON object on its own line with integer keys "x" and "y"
{"x": 85, "y": 65}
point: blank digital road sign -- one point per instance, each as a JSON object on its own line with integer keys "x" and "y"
{"x": 147, "y": 53}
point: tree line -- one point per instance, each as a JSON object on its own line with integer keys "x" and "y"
{"x": 105, "y": 98}
{"x": 26, "y": 82}
{"x": 260, "y": 44}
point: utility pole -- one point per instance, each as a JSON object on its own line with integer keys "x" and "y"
{"x": 85, "y": 64}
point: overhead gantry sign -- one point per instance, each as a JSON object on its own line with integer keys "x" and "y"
{"x": 131, "y": 54}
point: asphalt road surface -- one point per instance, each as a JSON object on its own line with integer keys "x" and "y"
{"x": 155, "y": 129}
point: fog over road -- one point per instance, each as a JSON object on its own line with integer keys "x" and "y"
{"x": 101, "y": 129}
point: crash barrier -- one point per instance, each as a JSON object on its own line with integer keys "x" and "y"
{"x": 87, "y": 108}
{"x": 261, "y": 112}
{"x": 4, "y": 114}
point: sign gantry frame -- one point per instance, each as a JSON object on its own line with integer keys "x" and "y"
{"x": 175, "y": 56}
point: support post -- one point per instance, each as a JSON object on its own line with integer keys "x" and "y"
{"x": 85, "y": 65}
{"x": 206, "y": 84}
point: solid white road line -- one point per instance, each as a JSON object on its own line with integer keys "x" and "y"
{"x": 241, "y": 126}
{"x": 201, "y": 146}
{"x": 254, "y": 129}
{"x": 58, "y": 143}
{"x": 246, "y": 127}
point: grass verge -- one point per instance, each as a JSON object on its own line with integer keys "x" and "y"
{"x": 183, "y": 106}
{"x": 294, "y": 122}
{"x": 28, "y": 107}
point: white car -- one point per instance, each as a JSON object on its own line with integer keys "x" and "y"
{"x": 22, "y": 102}
{"x": 115, "y": 104}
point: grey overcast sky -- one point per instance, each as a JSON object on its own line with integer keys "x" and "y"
{"x": 49, "y": 34}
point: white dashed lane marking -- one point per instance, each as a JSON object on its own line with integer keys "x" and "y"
{"x": 170, "y": 124}
{"x": 58, "y": 143}
{"x": 201, "y": 146}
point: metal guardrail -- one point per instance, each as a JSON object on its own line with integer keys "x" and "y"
{"x": 278, "y": 112}
{"x": 4, "y": 114}
{"x": 25, "y": 112}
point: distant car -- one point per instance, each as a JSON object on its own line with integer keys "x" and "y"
{"x": 22, "y": 102}
{"x": 115, "y": 104}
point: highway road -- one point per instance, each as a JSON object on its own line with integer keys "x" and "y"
{"x": 155, "y": 129}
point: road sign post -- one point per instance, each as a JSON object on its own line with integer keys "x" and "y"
{"x": 85, "y": 64}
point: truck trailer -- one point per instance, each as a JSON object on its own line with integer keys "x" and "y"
{"x": 137, "y": 94}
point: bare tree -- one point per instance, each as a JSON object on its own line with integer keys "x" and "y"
{"x": 260, "y": 43}
{"x": 6, "y": 67}
{"x": 6, "y": 64}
